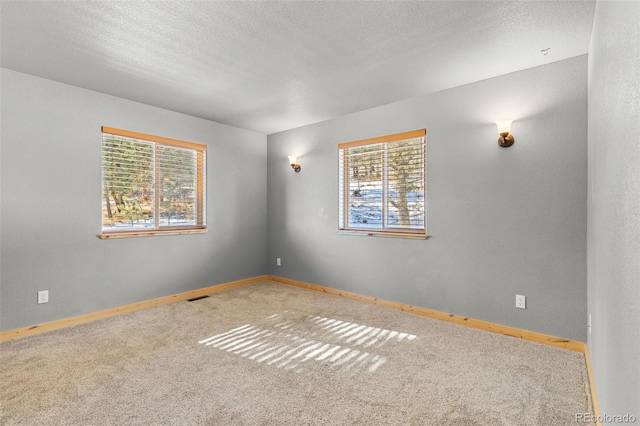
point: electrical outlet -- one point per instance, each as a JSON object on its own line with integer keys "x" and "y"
{"x": 43, "y": 296}
{"x": 589, "y": 323}
{"x": 278, "y": 261}
{"x": 521, "y": 301}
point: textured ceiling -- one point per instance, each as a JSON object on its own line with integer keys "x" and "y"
{"x": 273, "y": 66}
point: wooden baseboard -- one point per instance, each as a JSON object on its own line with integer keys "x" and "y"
{"x": 68, "y": 322}
{"x": 592, "y": 386}
{"x": 470, "y": 322}
{"x": 572, "y": 345}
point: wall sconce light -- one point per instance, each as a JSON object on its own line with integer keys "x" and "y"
{"x": 293, "y": 160}
{"x": 504, "y": 128}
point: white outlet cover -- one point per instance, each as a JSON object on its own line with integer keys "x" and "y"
{"x": 521, "y": 301}
{"x": 43, "y": 296}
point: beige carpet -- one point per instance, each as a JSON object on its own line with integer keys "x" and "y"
{"x": 270, "y": 354}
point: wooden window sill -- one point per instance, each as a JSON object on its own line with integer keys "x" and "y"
{"x": 387, "y": 234}
{"x": 154, "y": 233}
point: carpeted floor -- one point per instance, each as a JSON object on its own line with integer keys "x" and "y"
{"x": 270, "y": 354}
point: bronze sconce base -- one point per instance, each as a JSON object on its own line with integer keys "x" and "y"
{"x": 506, "y": 140}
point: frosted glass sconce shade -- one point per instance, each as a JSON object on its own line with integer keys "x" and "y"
{"x": 506, "y": 139}
{"x": 293, "y": 160}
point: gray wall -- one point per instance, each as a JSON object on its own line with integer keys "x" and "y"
{"x": 503, "y": 221}
{"x": 51, "y": 206}
{"x": 614, "y": 206}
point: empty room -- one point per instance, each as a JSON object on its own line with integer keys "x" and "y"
{"x": 319, "y": 212}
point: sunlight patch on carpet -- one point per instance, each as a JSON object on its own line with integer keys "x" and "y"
{"x": 284, "y": 341}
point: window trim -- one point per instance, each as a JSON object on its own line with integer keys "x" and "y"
{"x": 200, "y": 226}
{"x": 343, "y": 229}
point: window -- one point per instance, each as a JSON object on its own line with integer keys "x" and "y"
{"x": 382, "y": 185}
{"x": 151, "y": 185}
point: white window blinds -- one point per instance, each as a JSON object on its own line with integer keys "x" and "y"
{"x": 151, "y": 183}
{"x": 383, "y": 185}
